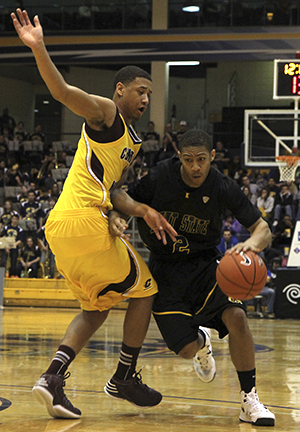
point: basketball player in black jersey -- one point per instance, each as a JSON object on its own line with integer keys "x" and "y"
{"x": 193, "y": 196}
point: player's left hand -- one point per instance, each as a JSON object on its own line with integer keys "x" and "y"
{"x": 159, "y": 225}
{"x": 117, "y": 225}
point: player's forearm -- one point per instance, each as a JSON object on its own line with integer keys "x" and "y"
{"x": 125, "y": 204}
{"x": 260, "y": 235}
{"x": 49, "y": 72}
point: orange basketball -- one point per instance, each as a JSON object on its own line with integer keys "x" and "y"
{"x": 241, "y": 276}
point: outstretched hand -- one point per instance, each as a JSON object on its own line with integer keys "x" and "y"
{"x": 159, "y": 225}
{"x": 31, "y": 35}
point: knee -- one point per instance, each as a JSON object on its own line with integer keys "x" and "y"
{"x": 235, "y": 319}
{"x": 189, "y": 351}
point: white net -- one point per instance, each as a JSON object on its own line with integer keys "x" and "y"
{"x": 288, "y": 167}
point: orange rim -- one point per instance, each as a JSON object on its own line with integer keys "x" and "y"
{"x": 289, "y": 160}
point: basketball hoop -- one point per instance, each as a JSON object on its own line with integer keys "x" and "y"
{"x": 287, "y": 166}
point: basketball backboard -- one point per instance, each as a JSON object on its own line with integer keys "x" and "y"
{"x": 268, "y": 134}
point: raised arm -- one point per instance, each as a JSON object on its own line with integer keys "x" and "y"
{"x": 96, "y": 110}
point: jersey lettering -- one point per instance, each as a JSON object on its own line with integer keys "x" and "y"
{"x": 127, "y": 154}
{"x": 193, "y": 225}
{"x": 171, "y": 217}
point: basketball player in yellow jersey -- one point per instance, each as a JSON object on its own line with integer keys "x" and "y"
{"x": 99, "y": 269}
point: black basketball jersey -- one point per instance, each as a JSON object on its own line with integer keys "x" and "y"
{"x": 195, "y": 213}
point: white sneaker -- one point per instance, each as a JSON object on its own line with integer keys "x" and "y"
{"x": 253, "y": 411}
{"x": 204, "y": 363}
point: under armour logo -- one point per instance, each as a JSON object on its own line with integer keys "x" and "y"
{"x": 187, "y": 194}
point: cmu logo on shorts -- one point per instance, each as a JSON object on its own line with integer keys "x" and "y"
{"x": 147, "y": 284}
{"x": 233, "y": 300}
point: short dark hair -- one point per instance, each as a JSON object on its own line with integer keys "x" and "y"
{"x": 129, "y": 73}
{"x": 195, "y": 138}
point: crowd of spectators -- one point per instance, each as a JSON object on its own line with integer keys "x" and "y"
{"x": 29, "y": 190}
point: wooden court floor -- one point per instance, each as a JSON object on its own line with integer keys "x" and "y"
{"x": 30, "y": 337}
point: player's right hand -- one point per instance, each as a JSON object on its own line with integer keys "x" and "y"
{"x": 159, "y": 225}
{"x": 31, "y": 35}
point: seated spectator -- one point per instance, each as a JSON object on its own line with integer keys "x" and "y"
{"x": 248, "y": 193}
{"x": 3, "y": 147}
{"x": 265, "y": 203}
{"x": 7, "y": 214}
{"x": 283, "y": 233}
{"x": 20, "y": 130}
{"x": 33, "y": 214}
{"x": 227, "y": 241}
{"x": 222, "y": 157}
{"x": 151, "y": 145}
{"x": 7, "y": 121}
{"x": 13, "y": 176}
{"x": 12, "y": 230}
{"x": 47, "y": 256}
{"x": 283, "y": 204}
{"x": 252, "y": 186}
{"x": 3, "y": 173}
{"x": 232, "y": 223}
{"x": 22, "y": 196}
{"x": 29, "y": 260}
{"x": 169, "y": 144}
{"x": 235, "y": 170}
{"x": 273, "y": 188}
{"x": 37, "y": 134}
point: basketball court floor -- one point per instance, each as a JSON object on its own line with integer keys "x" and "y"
{"x": 30, "y": 337}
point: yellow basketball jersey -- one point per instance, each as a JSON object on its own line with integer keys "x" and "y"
{"x": 95, "y": 169}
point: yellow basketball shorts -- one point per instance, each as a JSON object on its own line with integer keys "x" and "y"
{"x": 99, "y": 269}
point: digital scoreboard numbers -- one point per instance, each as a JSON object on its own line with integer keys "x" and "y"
{"x": 286, "y": 79}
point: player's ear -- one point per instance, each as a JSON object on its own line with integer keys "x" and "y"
{"x": 212, "y": 155}
{"x": 120, "y": 89}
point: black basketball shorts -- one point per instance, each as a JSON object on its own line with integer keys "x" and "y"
{"x": 188, "y": 297}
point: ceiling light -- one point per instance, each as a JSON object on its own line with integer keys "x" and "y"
{"x": 183, "y": 63}
{"x": 191, "y": 6}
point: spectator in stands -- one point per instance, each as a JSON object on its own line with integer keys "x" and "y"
{"x": 183, "y": 127}
{"x": 283, "y": 233}
{"x": 273, "y": 188}
{"x": 20, "y": 130}
{"x": 248, "y": 193}
{"x": 235, "y": 170}
{"x": 22, "y": 196}
{"x": 29, "y": 260}
{"x": 232, "y": 223}
{"x": 7, "y": 134}
{"x": 265, "y": 203}
{"x": 283, "y": 204}
{"x": 7, "y": 214}
{"x": 37, "y": 134}
{"x": 227, "y": 241}
{"x": 13, "y": 230}
{"x": 33, "y": 214}
{"x": 47, "y": 256}
{"x": 13, "y": 176}
{"x": 222, "y": 158}
{"x": 3, "y": 173}
{"x": 169, "y": 143}
{"x": 151, "y": 145}
{"x": 55, "y": 191}
{"x": 7, "y": 122}
{"x": 252, "y": 186}
{"x": 3, "y": 147}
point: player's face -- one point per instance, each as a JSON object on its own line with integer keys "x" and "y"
{"x": 195, "y": 166}
{"x": 134, "y": 99}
